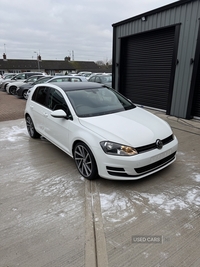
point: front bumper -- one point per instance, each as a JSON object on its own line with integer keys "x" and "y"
{"x": 138, "y": 166}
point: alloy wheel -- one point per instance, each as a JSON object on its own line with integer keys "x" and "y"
{"x": 85, "y": 161}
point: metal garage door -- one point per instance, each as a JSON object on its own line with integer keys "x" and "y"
{"x": 196, "y": 106}
{"x": 146, "y": 67}
{"x": 196, "y": 101}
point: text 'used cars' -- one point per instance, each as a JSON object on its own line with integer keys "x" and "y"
{"x": 103, "y": 131}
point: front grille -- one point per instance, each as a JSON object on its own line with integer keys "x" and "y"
{"x": 156, "y": 164}
{"x": 152, "y": 146}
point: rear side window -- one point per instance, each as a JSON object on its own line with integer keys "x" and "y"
{"x": 74, "y": 79}
{"x": 98, "y": 80}
{"x": 40, "y": 95}
{"x": 92, "y": 79}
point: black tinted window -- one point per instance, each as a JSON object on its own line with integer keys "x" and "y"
{"x": 56, "y": 100}
{"x": 40, "y": 95}
{"x": 92, "y": 79}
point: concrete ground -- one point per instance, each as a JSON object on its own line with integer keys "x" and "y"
{"x": 51, "y": 216}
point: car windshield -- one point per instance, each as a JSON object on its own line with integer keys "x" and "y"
{"x": 99, "y": 101}
{"x": 9, "y": 76}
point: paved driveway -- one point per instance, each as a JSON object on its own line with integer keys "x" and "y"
{"x": 51, "y": 216}
{"x": 11, "y": 107}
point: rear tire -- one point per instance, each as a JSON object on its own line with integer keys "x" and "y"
{"x": 85, "y": 161}
{"x": 31, "y": 128}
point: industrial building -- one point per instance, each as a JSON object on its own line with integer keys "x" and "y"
{"x": 156, "y": 58}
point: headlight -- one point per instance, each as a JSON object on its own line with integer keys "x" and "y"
{"x": 118, "y": 149}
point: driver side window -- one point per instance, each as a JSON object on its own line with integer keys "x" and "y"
{"x": 56, "y": 100}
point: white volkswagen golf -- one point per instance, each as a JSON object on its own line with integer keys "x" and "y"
{"x": 104, "y": 132}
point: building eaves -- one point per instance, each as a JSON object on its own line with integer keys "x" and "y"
{"x": 157, "y": 10}
{"x": 33, "y": 64}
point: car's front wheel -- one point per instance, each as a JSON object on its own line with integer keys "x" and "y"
{"x": 85, "y": 161}
{"x": 31, "y": 128}
{"x": 24, "y": 94}
{"x": 12, "y": 90}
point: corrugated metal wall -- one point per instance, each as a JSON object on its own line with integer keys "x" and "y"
{"x": 187, "y": 13}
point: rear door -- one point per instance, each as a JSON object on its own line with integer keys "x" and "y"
{"x": 39, "y": 108}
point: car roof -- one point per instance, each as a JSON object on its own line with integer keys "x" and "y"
{"x": 36, "y": 75}
{"x": 67, "y": 86}
{"x": 104, "y": 74}
{"x": 45, "y": 76}
{"x": 67, "y": 76}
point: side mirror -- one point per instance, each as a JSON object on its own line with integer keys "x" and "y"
{"x": 59, "y": 114}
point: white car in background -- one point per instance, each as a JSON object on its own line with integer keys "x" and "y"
{"x": 6, "y": 77}
{"x": 18, "y": 77}
{"x": 103, "y": 131}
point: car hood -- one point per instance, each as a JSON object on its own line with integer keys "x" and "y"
{"x": 135, "y": 127}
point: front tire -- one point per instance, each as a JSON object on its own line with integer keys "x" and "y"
{"x": 31, "y": 128}
{"x": 24, "y": 94}
{"x": 12, "y": 90}
{"x": 85, "y": 161}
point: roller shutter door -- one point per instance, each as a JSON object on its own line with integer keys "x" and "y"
{"x": 146, "y": 67}
{"x": 196, "y": 102}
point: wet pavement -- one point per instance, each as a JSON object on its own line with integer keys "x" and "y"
{"x": 51, "y": 216}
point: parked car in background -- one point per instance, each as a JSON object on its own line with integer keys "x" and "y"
{"x": 103, "y": 131}
{"x": 98, "y": 73}
{"x": 11, "y": 87}
{"x": 22, "y": 90}
{"x": 6, "y": 76}
{"x": 84, "y": 73}
{"x": 19, "y": 77}
{"x": 102, "y": 78}
{"x": 59, "y": 74}
{"x": 67, "y": 78}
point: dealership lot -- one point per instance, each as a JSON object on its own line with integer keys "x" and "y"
{"x": 51, "y": 216}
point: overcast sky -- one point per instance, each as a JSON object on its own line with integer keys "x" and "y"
{"x": 81, "y": 29}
